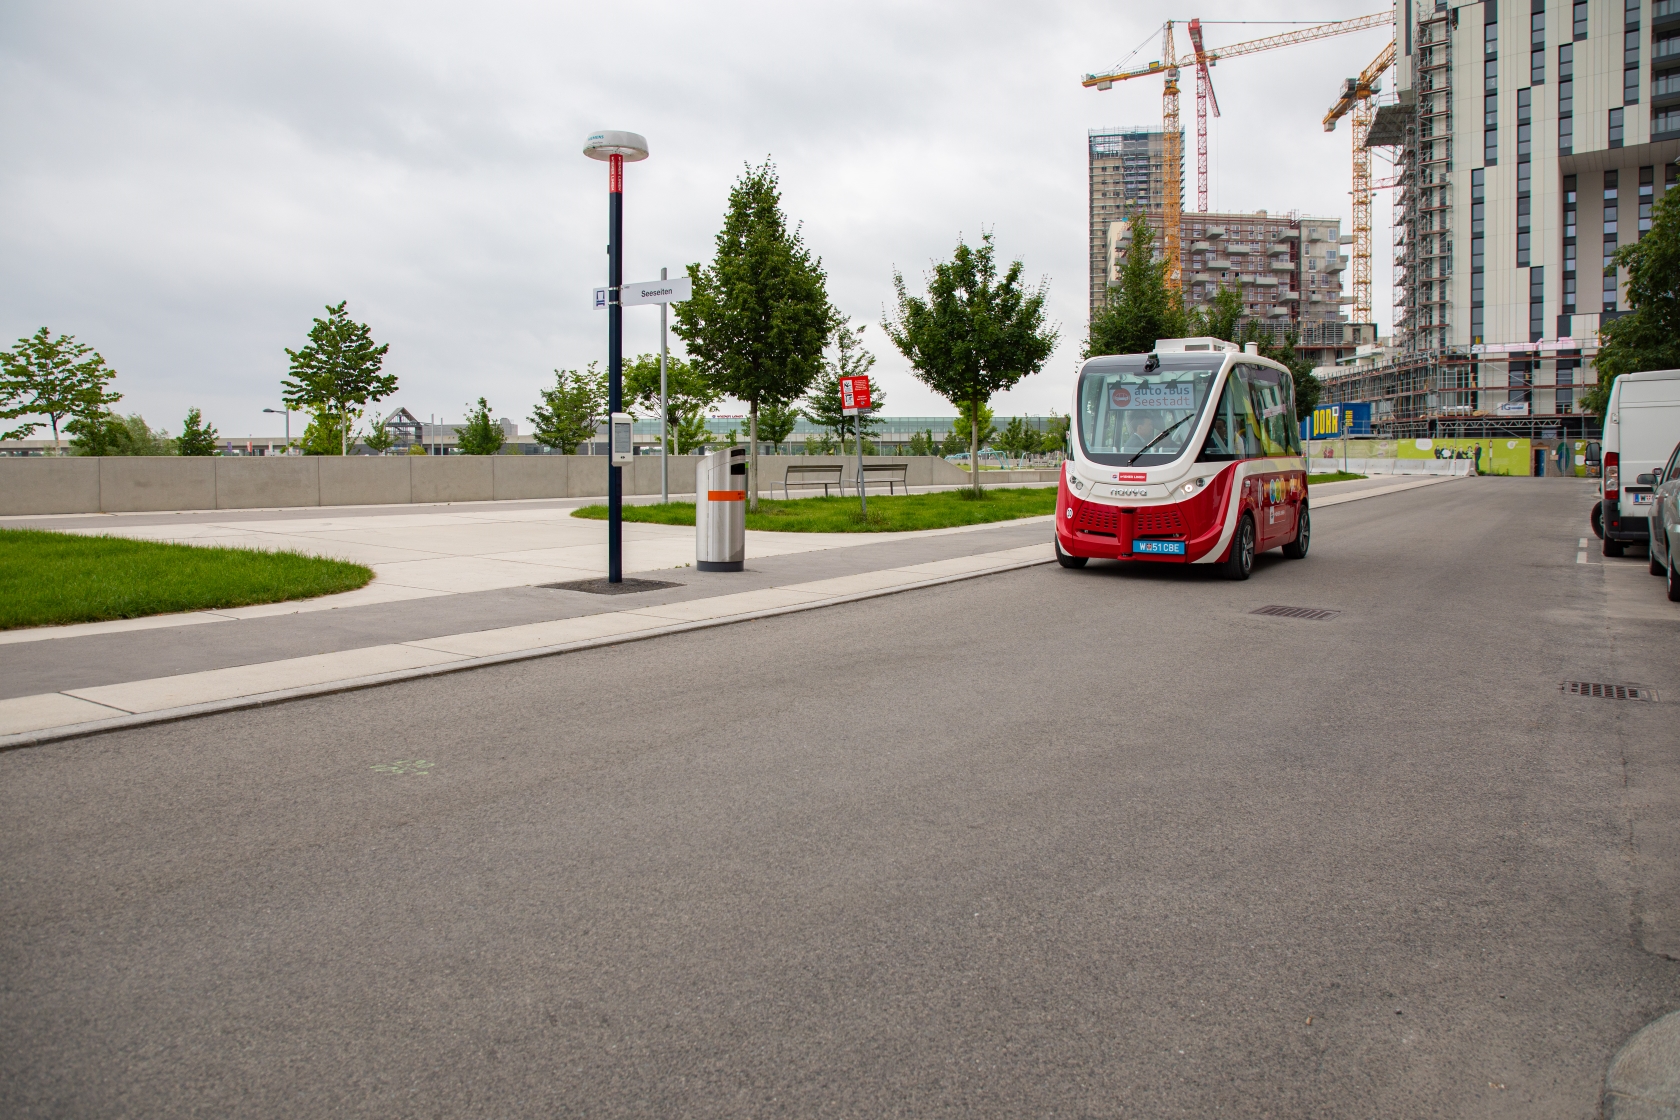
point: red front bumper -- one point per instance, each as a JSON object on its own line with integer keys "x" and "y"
{"x": 1103, "y": 531}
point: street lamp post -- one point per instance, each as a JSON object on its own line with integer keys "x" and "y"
{"x": 288, "y": 415}
{"x": 614, "y": 148}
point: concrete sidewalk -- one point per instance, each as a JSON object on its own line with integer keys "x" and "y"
{"x": 60, "y": 681}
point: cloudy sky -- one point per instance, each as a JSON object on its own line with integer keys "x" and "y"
{"x": 186, "y": 185}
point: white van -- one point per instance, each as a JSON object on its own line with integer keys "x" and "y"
{"x": 1641, "y": 427}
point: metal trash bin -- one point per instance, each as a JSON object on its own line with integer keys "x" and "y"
{"x": 720, "y": 511}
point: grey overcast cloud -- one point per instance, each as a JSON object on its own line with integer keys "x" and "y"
{"x": 186, "y": 186}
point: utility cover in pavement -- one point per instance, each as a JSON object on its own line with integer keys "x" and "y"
{"x": 1608, "y": 691}
{"x": 602, "y": 587}
{"x": 1314, "y": 614}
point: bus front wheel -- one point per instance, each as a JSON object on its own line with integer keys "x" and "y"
{"x": 1067, "y": 561}
{"x": 1297, "y": 548}
{"x": 1241, "y": 561}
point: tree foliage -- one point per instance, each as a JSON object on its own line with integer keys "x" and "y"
{"x": 776, "y": 423}
{"x": 688, "y": 395}
{"x": 379, "y": 439}
{"x": 58, "y": 378}
{"x": 571, "y": 411}
{"x": 106, "y": 433}
{"x": 197, "y": 437}
{"x": 760, "y": 317}
{"x": 823, "y": 406}
{"x": 1141, "y": 308}
{"x": 975, "y": 334}
{"x": 480, "y": 435}
{"x": 922, "y": 443}
{"x": 337, "y": 374}
{"x": 1648, "y": 336}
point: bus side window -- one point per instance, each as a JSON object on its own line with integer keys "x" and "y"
{"x": 1273, "y": 417}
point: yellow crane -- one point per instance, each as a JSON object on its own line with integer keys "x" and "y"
{"x": 1356, "y": 98}
{"x": 1172, "y": 141}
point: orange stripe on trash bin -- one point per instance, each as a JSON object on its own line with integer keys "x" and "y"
{"x": 726, "y": 495}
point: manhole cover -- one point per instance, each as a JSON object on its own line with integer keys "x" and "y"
{"x": 602, "y": 587}
{"x": 1608, "y": 691}
{"x": 1314, "y": 614}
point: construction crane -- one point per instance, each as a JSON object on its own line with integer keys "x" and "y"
{"x": 1356, "y": 98}
{"x": 1202, "y": 58}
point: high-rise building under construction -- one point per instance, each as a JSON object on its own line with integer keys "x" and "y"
{"x": 1533, "y": 138}
{"x": 1125, "y": 173}
{"x": 1287, "y": 267}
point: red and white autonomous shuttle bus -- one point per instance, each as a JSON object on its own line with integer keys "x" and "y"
{"x": 1189, "y": 455}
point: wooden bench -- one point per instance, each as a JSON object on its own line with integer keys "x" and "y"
{"x": 811, "y": 477}
{"x": 894, "y": 474}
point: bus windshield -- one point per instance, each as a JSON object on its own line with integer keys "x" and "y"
{"x": 1132, "y": 417}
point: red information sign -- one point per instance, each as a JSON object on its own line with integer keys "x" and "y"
{"x": 854, "y": 394}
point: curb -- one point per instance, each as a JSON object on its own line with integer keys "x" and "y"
{"x": 25, "y": 739}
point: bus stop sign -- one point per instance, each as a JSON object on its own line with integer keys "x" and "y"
{"x": 854, "y": 395}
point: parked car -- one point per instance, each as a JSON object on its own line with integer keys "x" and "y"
{"x": 1665, "y": 523}
{"x": 1640, "y": 423}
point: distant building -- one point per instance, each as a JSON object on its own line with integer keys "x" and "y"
{"x": 1125, "y": 173}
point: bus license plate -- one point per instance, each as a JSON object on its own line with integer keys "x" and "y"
{"x": 1162, "y": 548}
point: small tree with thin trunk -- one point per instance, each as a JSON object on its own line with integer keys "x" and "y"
{"x": 58, "y": 378}
{"x": 974, "y": 335}
{"x": 760, "y": 315}
{"x": 570, "y": 412}
{"x": 823, "y": 407}
{"x": 689, "y": 396}
{"x": 197, "y": 437}
{"x": 480, "y": 435}
{"x": 338, "y": 374}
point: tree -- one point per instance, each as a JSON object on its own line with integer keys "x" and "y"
{"x": 823, "y": 405}
{"x": 1648, "y": 335}
{"x": 480, "y": 435}
{"x": 58, "y": 378}
{"x": 572, "y": 410}
{"x": 760, "y": 317}
{"x": 980, "y": 424}
{"x": 379, "y": 439}
{"x": 954, "y": 443}
{"x": 1016, "y": 439}
{"x": 921, "y": 443}
{"x": 327, "y": 433}
{"x": 106, "y": 433}
{"x": 776, "y": 423}
{"x": 688, "y": 397}
{"x": 337, "y": 374}
{"x": 197, "y": 437}
{"x": 1054, "y": 438}
{"x": 1141, "y": 308}
{"x": 974, "y": 335}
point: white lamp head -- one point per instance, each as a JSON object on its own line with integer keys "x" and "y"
{"x": 605, "y": 144}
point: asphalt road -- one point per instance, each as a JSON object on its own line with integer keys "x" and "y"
{"x": 1052, "y": 843}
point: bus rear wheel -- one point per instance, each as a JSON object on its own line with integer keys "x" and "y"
{"x": 1067, "y": 561}
{"x": 1241, "y": 561}
{"x": 1297, "y": 548}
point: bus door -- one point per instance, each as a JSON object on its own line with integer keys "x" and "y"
{"x": 1272, "y": 435}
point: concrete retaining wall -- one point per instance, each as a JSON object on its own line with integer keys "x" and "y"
{"x": 43, "y": 485}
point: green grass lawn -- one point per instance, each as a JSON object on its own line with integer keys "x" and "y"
{"x": 52, "y": 578}
{"x": 1333, "y": 476}
{"x": 887, "y": 514}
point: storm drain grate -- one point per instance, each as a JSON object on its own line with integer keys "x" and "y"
{"x": 1608, "y": 691}
{"x": 1313, "y": 614}
{"x": 602, "y": 587}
